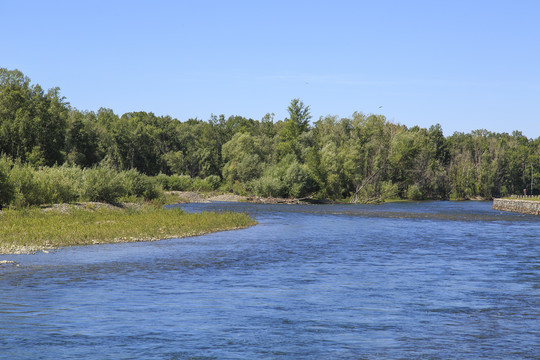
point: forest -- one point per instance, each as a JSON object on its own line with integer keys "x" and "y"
{"x": 363, "y": 158}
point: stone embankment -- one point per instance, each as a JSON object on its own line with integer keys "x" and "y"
{"x": 531, "y": 207}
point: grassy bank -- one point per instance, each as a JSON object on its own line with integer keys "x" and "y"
{"x": 33, "y": 229}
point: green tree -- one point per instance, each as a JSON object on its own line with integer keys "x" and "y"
{"x": 242, "y": 157}
{"x": 296, "y": 124}
{"x": 32, "y": 122}
{"x": 299, "y": 180}
{"x": 7, "y": 189}
{"x": 82, "y": 139}
{"x": 368, "y": 158}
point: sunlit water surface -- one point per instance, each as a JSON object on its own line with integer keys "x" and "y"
{"x": 433, "y": 280}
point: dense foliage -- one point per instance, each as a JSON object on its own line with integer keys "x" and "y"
{"x": 22, "y": 185}
{"x": 363, "y": 158}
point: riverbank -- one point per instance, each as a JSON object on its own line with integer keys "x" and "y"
{"x": 531, "y": 207}
{"x": 184, "y": 197}
{"x": 208, "y": 197}
{"x": 30, "y": 230}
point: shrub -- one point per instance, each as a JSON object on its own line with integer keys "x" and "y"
{"x": 214, "y": 181}
{"x": 299, "y": 180}
{"x": 27, "y": 189}
{"x": 102, "y": 184}
{"x": 269, "y": 186}
{"x": 22, "y": 185}
{"x": 44, "y": 186}
{"x": 389, "y": 189}
{"x": 162, "y": 180}
{"x": 59, "y": 184}
{"x": 7, "y": 189}
{"x": 180, "y": 183}
{"x": 414, "y": 193}
{"x": 140, "y": 185}
{"x": 235, "y": 187}
{"x": 201, "y": 185}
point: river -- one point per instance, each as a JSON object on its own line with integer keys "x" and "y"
{"x": 429, "y": 280}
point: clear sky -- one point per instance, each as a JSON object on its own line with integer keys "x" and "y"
{"x": 465, "y": 64}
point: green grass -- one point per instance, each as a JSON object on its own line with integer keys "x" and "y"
{"x": 33, "y": 229}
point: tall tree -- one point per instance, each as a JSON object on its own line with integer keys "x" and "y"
{"x": 32, "y": 122}
{"x": 296, "y": 124}
{"x": 242, "y": 157}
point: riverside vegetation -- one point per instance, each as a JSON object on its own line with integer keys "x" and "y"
{"x": 90, "y": 218}
{"x": 53, "y": 153}
{"x": 362, "y": 158}
{"x": 34, "y": 229}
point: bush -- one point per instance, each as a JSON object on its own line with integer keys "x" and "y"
{"x": 102, "y": 184}
{"x": 141, "y": 186}
{"x": 27, "y": 189}
{"x": 44, "y": 186}
{"x": 268, "y": 186}
{"x": 235, "y": 187}
{"x": 389, "y": 189}
{"x": 180, "y": 183}
{"x": 59, "y": 184}
{"x": 414, "y": 193}
{"x": 162, "y": 180}
{"x": 299, "y": 180}
{"x": 214, "y": 181}
{"x": 7, "y": 189}
{"x": 201, "y": 185}
{"x": 22, "y": 185}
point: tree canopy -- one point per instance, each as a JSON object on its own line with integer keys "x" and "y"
{"x": 363, "y": 158}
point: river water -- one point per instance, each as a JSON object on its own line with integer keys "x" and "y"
{"x": 430, "y": 280}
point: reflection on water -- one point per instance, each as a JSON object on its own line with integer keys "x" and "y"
{"x": 433, "y": 280}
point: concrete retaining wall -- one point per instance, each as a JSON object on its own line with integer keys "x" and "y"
{"x": 519, "y": 206}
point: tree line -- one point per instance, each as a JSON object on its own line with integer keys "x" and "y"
{"x": 363, "y": 158}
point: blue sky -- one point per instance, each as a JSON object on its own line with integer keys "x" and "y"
{"x": 464, "y": 64}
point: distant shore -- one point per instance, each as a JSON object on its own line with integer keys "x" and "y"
{"x": 208, "y": 197}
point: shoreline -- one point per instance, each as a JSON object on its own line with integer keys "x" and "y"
{"x": 28, "y": 250}
{"x": 108, "y": 213}
{"x": 186, "y": 197}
